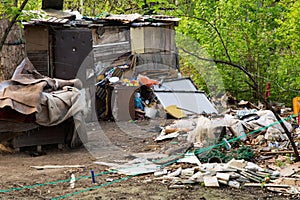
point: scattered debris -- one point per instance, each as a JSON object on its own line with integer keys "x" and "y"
{"x": 72, "y": 181}
{"x": 210, "y": 181}
{"x": 139, "y": 165}
{"x": 290, "y": 170}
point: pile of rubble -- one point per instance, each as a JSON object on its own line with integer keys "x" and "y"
{"x": 245, "y": 147}
{"x": 256, "y": 130}
{"x": 235, "y": 173}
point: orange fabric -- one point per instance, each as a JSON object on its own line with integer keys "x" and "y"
{"x": 147, "y": 81}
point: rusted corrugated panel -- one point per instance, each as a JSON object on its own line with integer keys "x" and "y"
{"x": 123, "y": 18}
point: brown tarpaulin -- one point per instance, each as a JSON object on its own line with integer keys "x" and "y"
{"x": 52, "y": 100}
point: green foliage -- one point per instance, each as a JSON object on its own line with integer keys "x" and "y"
{"x": 242, "y": 152}
{"x": 262, "y": 36}
{"x": 8, "y": 8}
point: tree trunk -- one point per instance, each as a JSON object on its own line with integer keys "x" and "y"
{"x": 13, "y": 52}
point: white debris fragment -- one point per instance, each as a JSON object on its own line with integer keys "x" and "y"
{"x": 234, "y": 184}
{"x": 198, "y": 177}
{"x": 211, "y": 181}
{"x": 161, "y": 173}
{"x": 253, "y": 167}
{"x": 189, "y": 158}
{"x": 237, "y": 164}
{"x": 177, "y": 172}
{"x": 187, "y": 172}
{"x": 72, "y": 181}
{"x": 223, "y": 176}
{"x": 176, "y": 186}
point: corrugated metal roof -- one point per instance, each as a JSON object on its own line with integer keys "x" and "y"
{"x": 53, "y": 20}
{"x": 124, "y": 18}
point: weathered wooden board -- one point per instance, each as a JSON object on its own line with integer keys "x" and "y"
{"x": 37, "y": 38}
{"x": 137, "y": 40}
{"x": 40, "y": 60}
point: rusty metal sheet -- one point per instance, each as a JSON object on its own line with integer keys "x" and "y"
{"x": 71, "y": 48}
{"x": 122, "y": 103}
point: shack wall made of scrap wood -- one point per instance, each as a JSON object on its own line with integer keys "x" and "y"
{"x": 156, "y": 51}
{"x": 154, "y": 45}
{"x": 153, "y": 39}
{"x": 109, "y": 43}
{"x": 38, "y": 48}
{"x": 13, "y": 51}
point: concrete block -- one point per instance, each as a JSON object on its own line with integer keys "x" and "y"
{"x": 211, "y": 181}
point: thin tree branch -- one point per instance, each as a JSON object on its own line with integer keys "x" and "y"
{"x": 12, "y": 22}
{"x": 217, "y": 31}
{"x": 254, "y": 86}
{"x": 262, "y": 99}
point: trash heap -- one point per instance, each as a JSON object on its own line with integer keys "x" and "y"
{"x": 235, "y": 173}
{"x": 245, "y": 147}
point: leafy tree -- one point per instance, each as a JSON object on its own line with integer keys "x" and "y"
{"x": 262, "y": 37}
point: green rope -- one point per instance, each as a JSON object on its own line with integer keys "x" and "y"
{"x": 196, "y": 152}
{"x": 53, "y": 182}
{"x": 171, "y": 162}
{"x": 95, "y": 187}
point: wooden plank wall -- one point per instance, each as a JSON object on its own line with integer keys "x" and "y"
{"x": 11, "y": 55}
{"x": 151, "y": 39}
{"x": 38, "y": 49}
{"x": 156, "y": 50}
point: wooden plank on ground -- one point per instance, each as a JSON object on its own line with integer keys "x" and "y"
{"x": 57, "y": 166}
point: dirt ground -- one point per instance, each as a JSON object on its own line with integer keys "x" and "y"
{"x": 20, "y": 181}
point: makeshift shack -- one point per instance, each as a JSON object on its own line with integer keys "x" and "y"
{"x": 90, "y": 47}
{"x": 65, "y": 43}
{"x": 97, "y": 49}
